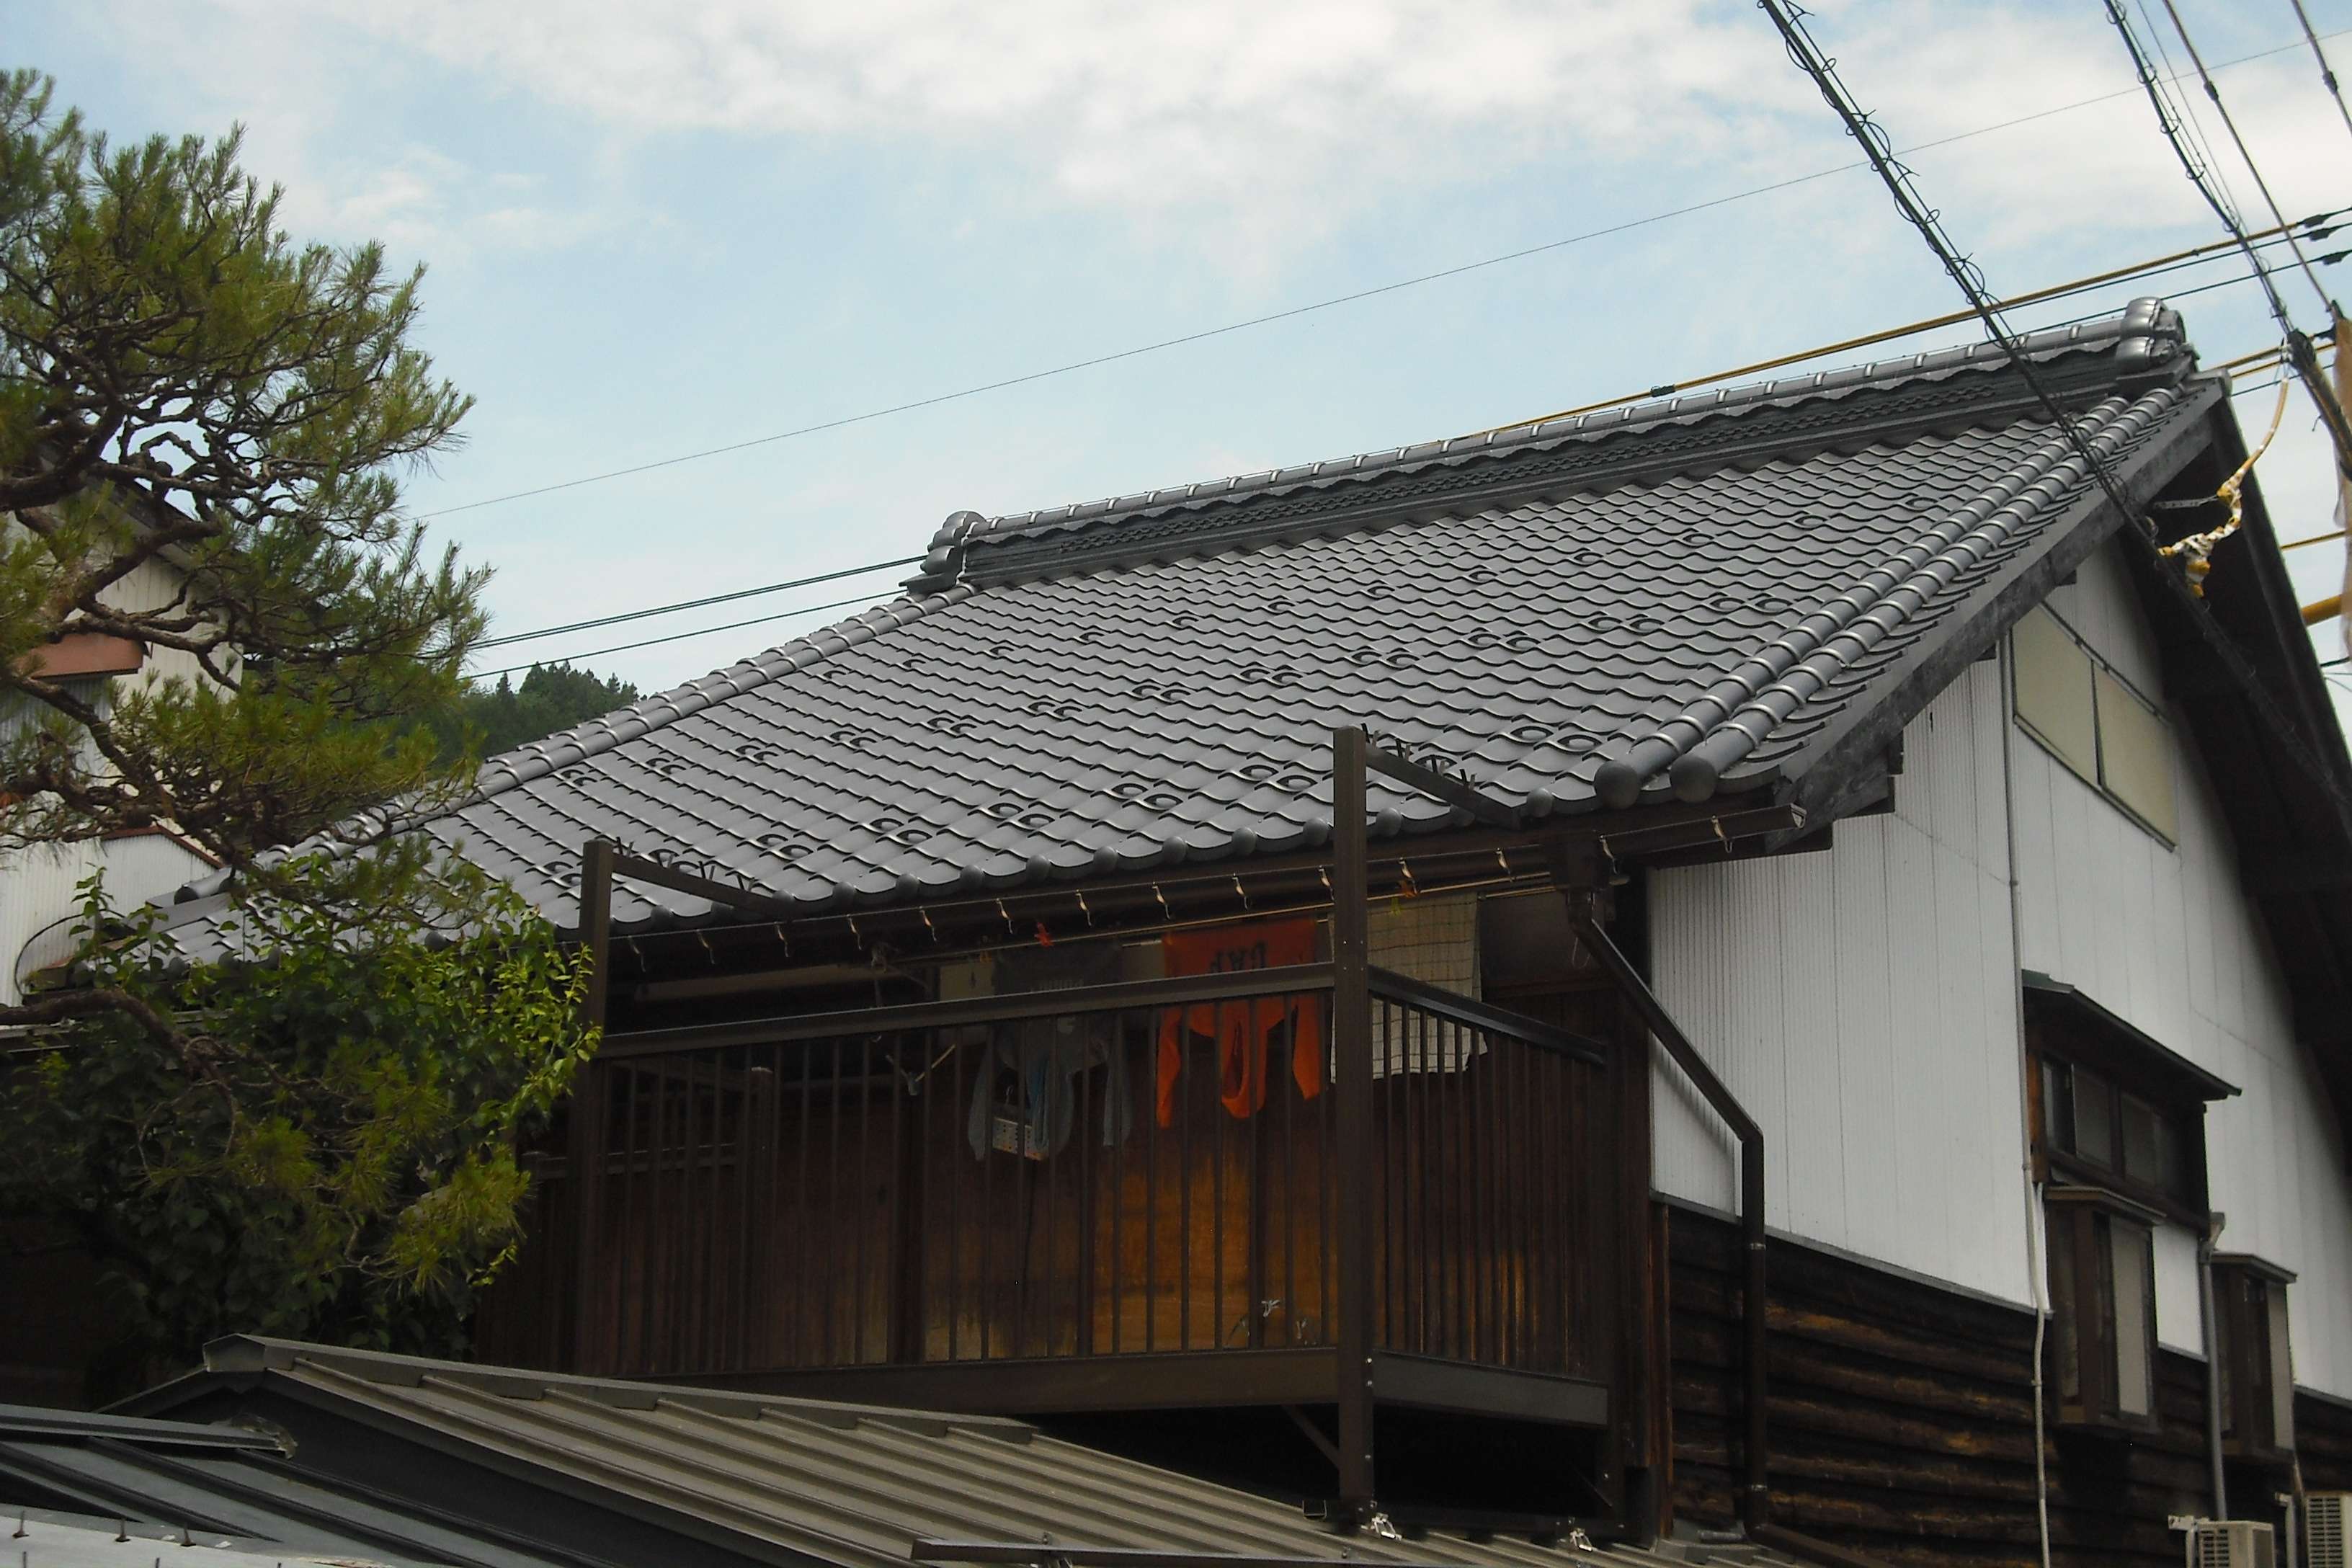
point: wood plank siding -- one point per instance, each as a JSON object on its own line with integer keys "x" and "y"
{"x": 1902, "y": 1420}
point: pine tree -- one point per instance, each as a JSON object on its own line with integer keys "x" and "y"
{"x": 203, "y": 429}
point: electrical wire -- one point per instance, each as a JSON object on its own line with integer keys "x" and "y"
{"x": 2213, "y": 92}
{"x": 618, "y": 619}
{"x": 680, "y": 637}
{"x": 2191, "y": 124}
{"x": 2314, "y": 226}
{"x": 2330, "y": 259}
{"x": 2326, "y": 72}
{"x": 2195, "y": 552}
{"x": 2306, "y": 360}
{"x": 1206, "y": 334}
{"x": 2158, "y": 266}
{"x": 1965, "y": 274}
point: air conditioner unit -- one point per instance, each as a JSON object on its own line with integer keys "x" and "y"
{"x": 2328, "y": 1528}
{"x": 2230, "y": 1544}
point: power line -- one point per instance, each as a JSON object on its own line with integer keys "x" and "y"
{"x": 2300, "y": 352}
{"x": 2191, "y": 124}
{"x": 680, "y": 637}
{"x": 2214, "y": 91}
{"x": 2156, "y": 266}
{"x": 695, "y": 603}
{"x": 2326, "y": 72}
{"x": 1206, "y": 334}
{"x": 2330, "y": 259}
{"x": 1877, "y": 147}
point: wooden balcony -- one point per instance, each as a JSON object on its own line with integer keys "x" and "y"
{"x": 1125, "y": 1196}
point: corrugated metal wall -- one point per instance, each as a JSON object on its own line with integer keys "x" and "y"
{"x": 1861, "y": 1003}
{"x": 2162, "y": 936}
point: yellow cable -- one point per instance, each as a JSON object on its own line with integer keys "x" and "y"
{"x": 2198, "y": 547}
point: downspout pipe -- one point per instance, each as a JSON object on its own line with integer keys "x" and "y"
{"x": 1755, "y": 1501}
{"x": 2206, "y": 1309}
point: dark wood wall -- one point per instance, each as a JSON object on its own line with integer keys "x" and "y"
{"x": 1902, "y": 1420}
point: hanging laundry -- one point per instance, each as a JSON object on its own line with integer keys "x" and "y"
{"x": 1246, "y": 1033}
{"x": 1025, "y": 1095}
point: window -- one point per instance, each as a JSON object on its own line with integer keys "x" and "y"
{"x": 2115, "y": 1109}
{"x": 2091, "y": 719}
{"x": 2257, "y": 1364}
{"x": 2102, "y": 1308}
{"x": 2092, "y": 1130}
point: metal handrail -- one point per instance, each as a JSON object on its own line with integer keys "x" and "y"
{"x": 1474, "y": 1014}
{"x": 1182, "y": 991}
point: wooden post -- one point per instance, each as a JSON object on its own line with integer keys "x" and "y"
{"x": 586, "y": 1151}
{"x": 1352, "y": 1044}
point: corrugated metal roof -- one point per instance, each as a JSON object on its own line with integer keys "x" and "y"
{"x": 228, "y": 1490}
{"x": 797, "y": 1480}
{"x": 1679, "y": 600}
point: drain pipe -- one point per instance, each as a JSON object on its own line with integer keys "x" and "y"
{"x": 1586, "y": 907}
{"x": 2037, "y": 1236}
{"x": 2211, "y": 1327}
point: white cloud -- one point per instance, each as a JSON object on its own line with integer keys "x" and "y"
{"x": 1225, "y": 104}
{"x": 1290, "y": 118}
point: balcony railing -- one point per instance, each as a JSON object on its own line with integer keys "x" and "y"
{"x": 1117, "y": 1170}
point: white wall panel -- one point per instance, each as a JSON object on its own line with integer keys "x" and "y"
{"x": 2176, "y": 1320}
{"x": 40, "y": 886}
{"x": 1860, "y": 1004}
{"x": 2163, "y": 936}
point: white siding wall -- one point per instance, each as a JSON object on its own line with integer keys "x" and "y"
{"x": 1861, "y": 1003}
{"x": 2163, "y": 937}
{"x": 37, "y": 885}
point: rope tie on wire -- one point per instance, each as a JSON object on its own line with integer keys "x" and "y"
{"x": 2195, "y": 552}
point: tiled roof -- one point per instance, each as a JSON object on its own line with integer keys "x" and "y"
{"x": 1690, "y": 596}
{"x": 771, "y": 1479}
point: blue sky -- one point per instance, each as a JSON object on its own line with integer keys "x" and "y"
{"x": 656, "y": 229}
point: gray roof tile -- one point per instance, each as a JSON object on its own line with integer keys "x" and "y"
{"x": 1685, "y": 594}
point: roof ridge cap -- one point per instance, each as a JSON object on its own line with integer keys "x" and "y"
{"x": 2143, "y": 318}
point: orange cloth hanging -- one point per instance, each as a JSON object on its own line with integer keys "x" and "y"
{"x": 1246, "y": 1032}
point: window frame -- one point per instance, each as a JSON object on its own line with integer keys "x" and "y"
{"x": 2257, "y": 1353}
{"x": 2098, "y": 676}
{"x": 2067, "y": 1033}
{"x": 2087, "y": 1301}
